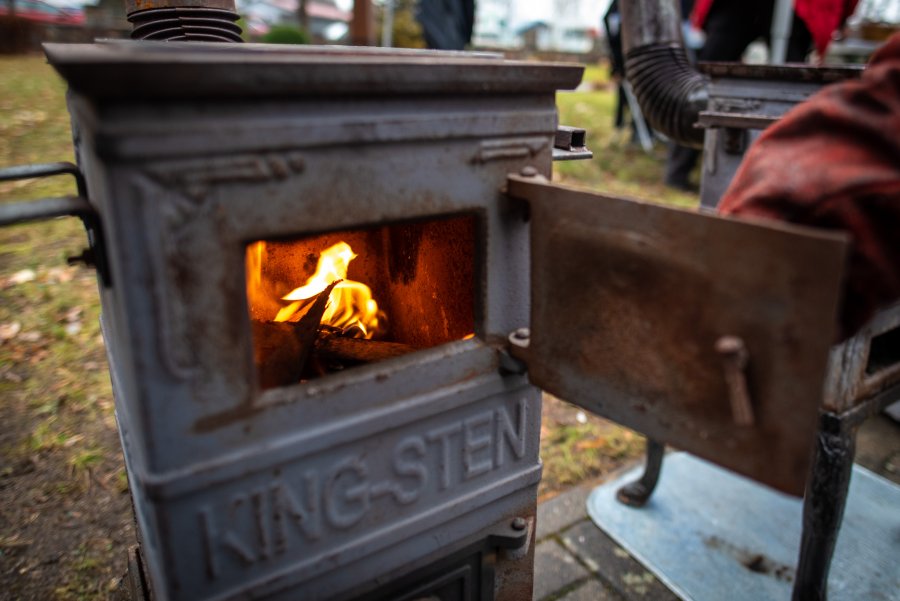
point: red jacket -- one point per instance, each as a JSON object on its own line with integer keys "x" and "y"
{"x": 834, "y": 162}
{"x": 822, "y": 17}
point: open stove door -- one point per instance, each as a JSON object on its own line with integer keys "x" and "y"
{"x": 707, "y": 333}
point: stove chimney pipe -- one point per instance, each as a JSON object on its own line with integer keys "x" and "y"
{"x": 670, "y": 91}
{"x": 184, "y": 20}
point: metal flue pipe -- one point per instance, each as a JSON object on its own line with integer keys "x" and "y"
{"x": 670, "y": 91}
{"x": 183, "y": 20}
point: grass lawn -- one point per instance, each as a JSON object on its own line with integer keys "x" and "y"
{"x": 65, "y": 517}
{"x": 64, "y": 511}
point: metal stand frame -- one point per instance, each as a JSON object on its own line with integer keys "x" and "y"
{"x": 823, "y": 506}
{"x": 637, "y": 493}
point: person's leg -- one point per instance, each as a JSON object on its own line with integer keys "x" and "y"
{"x": 800, "y": 42}
{"x": 732, "y": 25}
{"x": 679, "y": 163}
{"x": 620, "y": 106}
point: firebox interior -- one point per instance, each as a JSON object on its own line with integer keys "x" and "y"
{"x": 413, "y": 284}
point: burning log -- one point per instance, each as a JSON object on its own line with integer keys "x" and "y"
{"x": 333, "y": 347}
{"x": 281, "y": 349}
{"x": 277, "y": 353}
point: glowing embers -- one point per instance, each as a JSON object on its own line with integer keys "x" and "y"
{"x": 322, "y": 304}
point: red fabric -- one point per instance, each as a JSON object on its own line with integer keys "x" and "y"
{"x": 701, "y": 9}
{"x": 834, "y": 162}
{"x": 823, "y": 18}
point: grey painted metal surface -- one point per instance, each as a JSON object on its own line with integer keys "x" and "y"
{"x": 328, "y": 488}
{"x": 116, "y": 69}
{"x": 744, "y": 100}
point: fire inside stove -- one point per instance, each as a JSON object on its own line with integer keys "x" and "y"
{"x": 322, "y": 304}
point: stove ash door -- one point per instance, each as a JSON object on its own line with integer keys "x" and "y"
{"x": 707, "y": 333}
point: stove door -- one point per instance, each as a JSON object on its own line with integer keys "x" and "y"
{"x": 706, "y": 333}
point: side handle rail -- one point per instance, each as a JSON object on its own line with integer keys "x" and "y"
{"x": 16, "y": 212}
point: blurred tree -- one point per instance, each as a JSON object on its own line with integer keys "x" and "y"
{"x": 407, "y": 33}
{"x": 303, "y": 15}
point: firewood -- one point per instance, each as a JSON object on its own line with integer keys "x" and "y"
{"x": 307, "y": 327}
{"x": 281, "y": 349}
{"x": 358, "y": 350}
{"x": 276, "y": 352}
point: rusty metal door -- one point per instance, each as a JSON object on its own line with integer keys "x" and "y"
{"x": 706, "y": 333}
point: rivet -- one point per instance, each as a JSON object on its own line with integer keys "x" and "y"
{"x": 528, "y": 171}
{"x": 519, "y": 524}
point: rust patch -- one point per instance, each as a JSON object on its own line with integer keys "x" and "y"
{"x": 755, "y": 562}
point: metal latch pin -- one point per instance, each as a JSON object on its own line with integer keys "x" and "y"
{"x": 734, "y": 355}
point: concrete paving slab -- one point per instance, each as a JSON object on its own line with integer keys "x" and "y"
{"x": 613, "y": 564}
{"x": 554, "y": 569}
{"x": 591, "y": 590}
{"x": 562, "y": 511}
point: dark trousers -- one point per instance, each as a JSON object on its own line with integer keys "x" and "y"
{"x": 732, "y": 25}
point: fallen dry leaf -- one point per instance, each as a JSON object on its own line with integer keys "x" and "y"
{"x": 73, "y": 440}
{"x": 31, "y": 336}
{"x": 10, "y": 376}
{"x": 61, "y": 275}
{"x": 594, "y": 443}
{"x": 9, "y": 330}
{"x": 73, "y": 314}
{"x": 21, "y": 277}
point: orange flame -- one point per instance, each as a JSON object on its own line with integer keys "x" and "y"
{"x": 350, "y": 304}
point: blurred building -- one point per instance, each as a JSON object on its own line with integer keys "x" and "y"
{"x": 564, "y": 26}
{"x": 328, "y": 22}
{"x": 493, "y": 24}
{"x": 25, "y": 24}
{"x": 107, "y": 18}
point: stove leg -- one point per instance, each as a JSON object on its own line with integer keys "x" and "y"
{"x": 823, "y": 507}
{"x": 637, "y": 493}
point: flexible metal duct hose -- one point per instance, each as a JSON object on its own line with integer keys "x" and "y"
{"x": 670, "y": 91}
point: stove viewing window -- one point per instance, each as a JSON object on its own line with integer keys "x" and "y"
{"x": 321, "y": 304}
